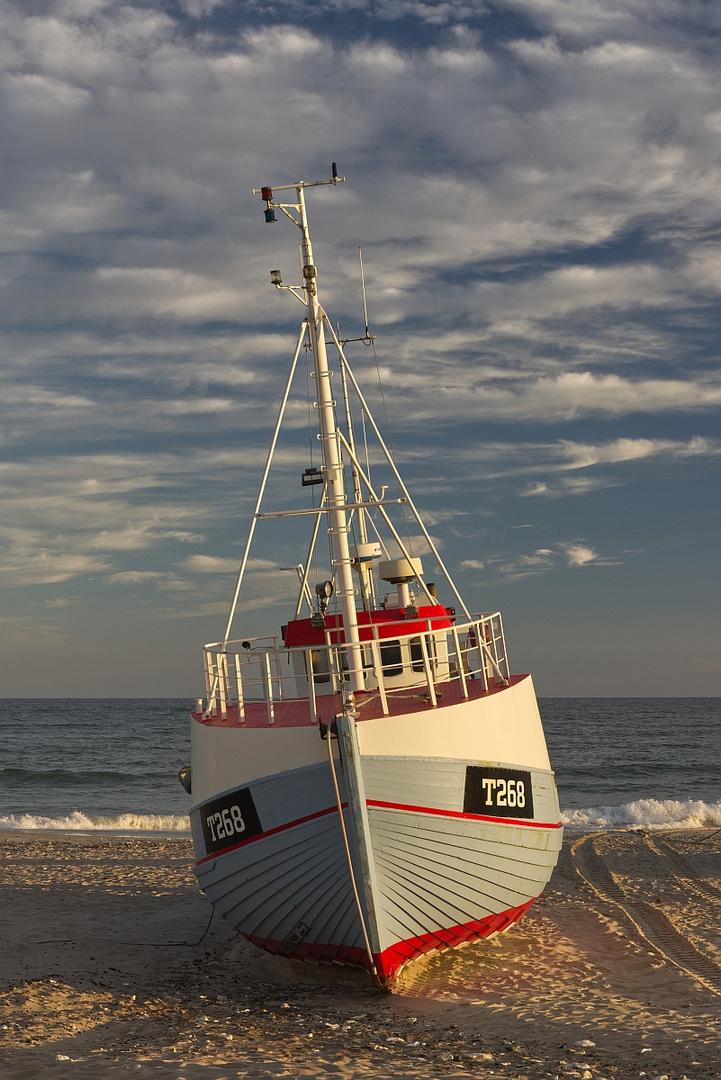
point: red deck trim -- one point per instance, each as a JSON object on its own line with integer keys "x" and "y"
{"x": 271, "y": 832}
{"x": 295, "y": 712}
{"x": 460, "y": 814}
{"x": 391, "y": 960}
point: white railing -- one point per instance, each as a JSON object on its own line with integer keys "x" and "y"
{"x": 253, "y": 670}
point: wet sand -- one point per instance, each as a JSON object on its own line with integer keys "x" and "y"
{"x": 615, "y": 973}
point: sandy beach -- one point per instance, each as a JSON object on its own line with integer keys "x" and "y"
{"x": 615, "y": 973}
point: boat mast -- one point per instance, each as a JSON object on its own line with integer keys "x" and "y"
{"x": 336, "y": 498}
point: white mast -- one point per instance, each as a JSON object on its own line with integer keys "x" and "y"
{"x": 330, "y": 443}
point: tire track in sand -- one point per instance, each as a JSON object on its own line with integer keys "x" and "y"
{"x": 653, "y": 926}
{"x": 687, "y": 874}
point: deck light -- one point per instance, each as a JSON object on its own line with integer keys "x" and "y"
{"x": 275, "y": 278}
{"x": 324, "y": 591}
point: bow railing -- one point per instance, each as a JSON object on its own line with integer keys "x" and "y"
{"x": 242, "y": 673}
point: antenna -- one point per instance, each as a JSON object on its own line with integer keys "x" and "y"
{"x": 363, "y": 291}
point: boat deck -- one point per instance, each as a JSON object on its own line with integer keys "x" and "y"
{"x": 295, "y": 712}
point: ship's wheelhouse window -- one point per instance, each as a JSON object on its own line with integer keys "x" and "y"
{"x": 391, "y": 659}
{"x": 321, "y": 670}
{"x": 416, "y": 654}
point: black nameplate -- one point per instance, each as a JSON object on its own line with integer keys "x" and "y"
{"x": 498, "y": 792}
{"x": 228, "y": 820}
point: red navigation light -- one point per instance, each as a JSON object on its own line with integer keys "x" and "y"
{"x": 266, "y": 193}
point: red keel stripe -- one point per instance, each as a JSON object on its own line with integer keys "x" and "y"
{"x": 391, "y": 960}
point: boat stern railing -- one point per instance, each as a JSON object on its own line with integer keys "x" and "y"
{"x": 261, "y": 669}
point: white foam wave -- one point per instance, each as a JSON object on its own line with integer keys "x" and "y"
{"x": 648, "y": 814}
{"x": 79, "y": 822}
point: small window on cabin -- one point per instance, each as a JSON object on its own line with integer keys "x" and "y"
{"x": 391, "y": 659}
{"x": 416, "y": 654}
{"x": 321, "y": 670}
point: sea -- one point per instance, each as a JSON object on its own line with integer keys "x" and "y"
{"x": 111, "y": 765}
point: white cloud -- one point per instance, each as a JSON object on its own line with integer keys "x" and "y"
{"x": 580, "y": 554}
{"x": 211, "y": 564}
{"x": 538, "y": 216}
{"x": 563, "y": 555}
{"x": 552, "y": 398}
{"x": 135, "y": 577}
{"x": 47, "y": 567}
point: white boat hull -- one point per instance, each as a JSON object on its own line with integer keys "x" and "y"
{"x": 435, "y": 861}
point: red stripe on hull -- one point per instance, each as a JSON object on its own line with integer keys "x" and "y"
{"x": 466, "y": 817}
{"x": 390, "y": 961}
{"x": 382, "y": 805}
{"x": 271, "y": 832}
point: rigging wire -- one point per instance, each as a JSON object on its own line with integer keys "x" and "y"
{"x": 385, "y": 408}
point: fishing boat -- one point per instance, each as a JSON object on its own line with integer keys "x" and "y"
{"x": 371, "y": 783}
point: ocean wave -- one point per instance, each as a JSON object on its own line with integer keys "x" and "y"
{"x": 79, "y": 822}
{"x": 66, "y": 777}
{"x": 648, "y": 814}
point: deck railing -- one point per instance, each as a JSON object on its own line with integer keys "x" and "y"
{"x": 261, "y": 669}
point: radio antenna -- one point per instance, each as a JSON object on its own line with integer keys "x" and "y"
{"x": 363, "y": 292}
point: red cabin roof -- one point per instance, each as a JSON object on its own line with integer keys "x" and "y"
{"x": 390, "y": 623}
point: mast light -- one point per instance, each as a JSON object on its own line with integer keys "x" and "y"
{"x": 275, "y": 277}
{"x": 267, "y": 194}
{"x": 311, "y": 476}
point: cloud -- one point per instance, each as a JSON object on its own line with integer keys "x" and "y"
{"x": 536, "y": 191}
{"x": 579, "y": 554}
{"x": 564, "y": 460}
{"x": 164, "y": 581}
{"x": 47, "y": 567}
{"x": 550, "y": 399}
{"x": 135, "y": 577}
{"x": 567, "y": 466}
{"x": 563, "y": 555}
{"x": 210, "y": 564}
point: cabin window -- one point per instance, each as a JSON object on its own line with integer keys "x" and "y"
{"x": 391, "y": 659}
{"x": 321, "y": 670}
{"x": 416, "y": 654}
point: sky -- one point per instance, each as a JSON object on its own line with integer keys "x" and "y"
{"x": 536, "y": 189}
